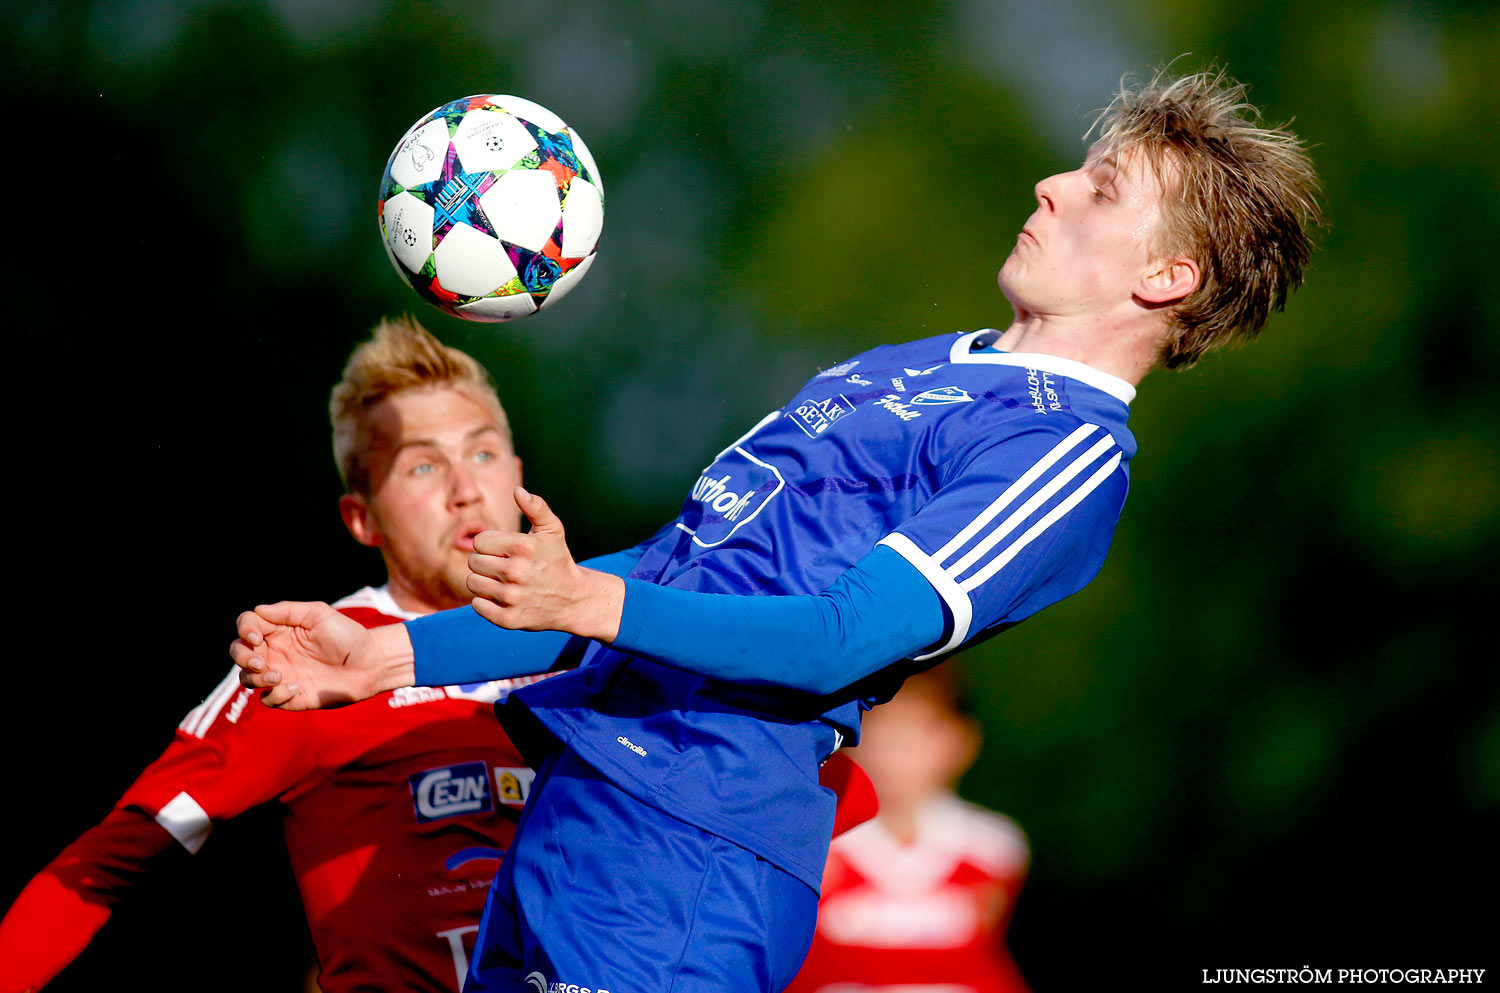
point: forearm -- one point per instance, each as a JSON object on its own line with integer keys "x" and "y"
{"x": 58, "y": 913}
{"x": 880, "y": 611}
{"x": 459, "y": 646}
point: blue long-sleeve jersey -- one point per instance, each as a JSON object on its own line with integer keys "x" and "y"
{"x": 903, "y": 503}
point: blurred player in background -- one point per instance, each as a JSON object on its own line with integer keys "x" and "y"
{"x": 913, "y": 499}
{"x": 919, "y": 898}
{"x": 395, "y": 811}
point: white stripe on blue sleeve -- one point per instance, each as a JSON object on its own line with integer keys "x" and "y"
{"x": 983, "y": 546}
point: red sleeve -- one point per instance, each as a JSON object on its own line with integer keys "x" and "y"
{"x": 61, "y": 910}
{"x": 230, "y": 753}
{"x": 857, "y": 801}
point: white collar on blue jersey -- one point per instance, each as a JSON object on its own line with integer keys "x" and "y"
{"x": 960, "y": 354}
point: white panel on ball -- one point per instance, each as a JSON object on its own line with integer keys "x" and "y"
{"x": 408, "y": 230}
{"x": 533, "y": 112}
{"x": 522, "y": 207}
{"x": 567, "y": 281}
{"x": 583, "y": 219}
{"x": 488, "y": 141}
{"x": 471, "y": 263}
{"x": 497, "y": 308}
{"x": 419, "y": 157}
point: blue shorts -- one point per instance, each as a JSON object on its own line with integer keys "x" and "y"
{"x": 601, "y": 893}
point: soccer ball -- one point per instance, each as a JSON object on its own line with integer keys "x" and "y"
{"x": 491, "y": 208}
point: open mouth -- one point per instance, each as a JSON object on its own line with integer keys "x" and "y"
{"x": 464, "y": 538}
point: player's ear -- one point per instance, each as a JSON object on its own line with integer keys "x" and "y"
{"x": 519, "y": 478}
{"x": 1169, "y": 280}
{"x": 354, "y": 508}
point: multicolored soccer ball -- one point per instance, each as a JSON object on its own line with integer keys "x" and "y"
{"x": 491, "y": 208}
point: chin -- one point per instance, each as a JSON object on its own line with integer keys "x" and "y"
{"x": 1009, "y": 291}
{"x": 1006, "y": 277}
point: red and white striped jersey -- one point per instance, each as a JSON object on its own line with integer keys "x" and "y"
{"x": 395, "y": 812}
{"x": 924, "y": 917}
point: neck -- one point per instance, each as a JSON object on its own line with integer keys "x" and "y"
{"x": 1127, "y": 351}
{"x": 413, "y": 597}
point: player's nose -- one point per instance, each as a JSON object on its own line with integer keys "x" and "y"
{"x": 463, "y": 487}
{"x": 1046, "y": 192}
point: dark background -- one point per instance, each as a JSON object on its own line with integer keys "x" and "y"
{"x": 1266, "y": 736}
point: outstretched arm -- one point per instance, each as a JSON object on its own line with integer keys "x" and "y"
{"x": 58, "y": 913}
{"x": 880, "y": 611}
{"x": 308, "y": 655}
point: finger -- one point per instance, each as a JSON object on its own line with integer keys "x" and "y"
{"x": 494, "y": 566}
{"x": 487, "y": 587}
{"x": 250, "y": 627}
{"x": 294, "y": 613}
{"x": 246, "y": 656}
{"x": 259, "y": 680}
{"x": 498, "y": 543}
{"x": 543, "y": 521}
{"x": 279, "y": 696}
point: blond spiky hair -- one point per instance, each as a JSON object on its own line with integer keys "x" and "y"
{"x": 400, "y": 355}
{"x": 1240, "y": 199}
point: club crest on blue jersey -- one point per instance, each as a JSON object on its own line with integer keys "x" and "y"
{"x": 450, "y": 791}
{"x": 941, "y": 395}
{"x": 816, "y": 416}
{"x": 728, "y": 495}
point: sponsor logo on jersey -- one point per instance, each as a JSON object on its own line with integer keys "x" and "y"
{"x": 896, "y": 405}
{"x": 816, "y": 416}
{"x": 716, "y": 494}
{"x": 410, "y": 696}
{"x": 942, "y": 395}
{"x": 536, "y": 981}
{"x": 1043, "y": 394}
{"x": 859, "y": 380}
{"x": 513, "y": 784}
{"x": 631, "y": 745}
{"x": 450, "y": 791}
{"x": 238, "y": 707}
{"x": 728, "y": 495}
{"x": 838, "y": 370}
{"x": 923, "y": 372}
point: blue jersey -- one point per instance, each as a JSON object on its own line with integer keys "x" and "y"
{"x": 999, "y": 477}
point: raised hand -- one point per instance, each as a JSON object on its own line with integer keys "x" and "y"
{"x": 530, "y": 582}
{"x": 307, "y": 656}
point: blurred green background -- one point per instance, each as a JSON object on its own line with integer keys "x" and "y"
{"x": 1266, "y": 736}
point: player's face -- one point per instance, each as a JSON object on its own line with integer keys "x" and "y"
{"x": 441, "y": 471}
{"x": 1085, "y": 251}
